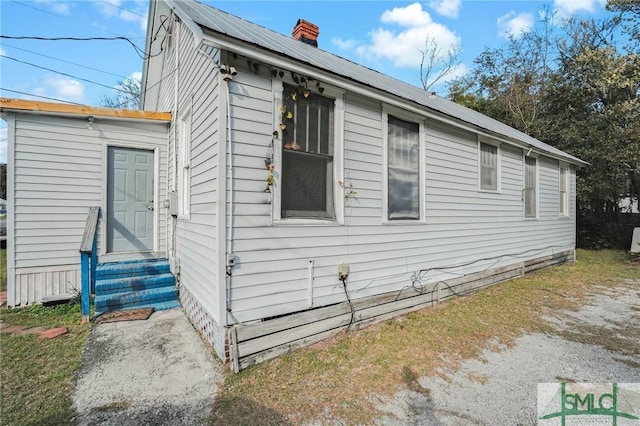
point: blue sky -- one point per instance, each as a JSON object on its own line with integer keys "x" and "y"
{"x": 384, "y": 35}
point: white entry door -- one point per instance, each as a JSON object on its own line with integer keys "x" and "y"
{"x": 129, "y": 200}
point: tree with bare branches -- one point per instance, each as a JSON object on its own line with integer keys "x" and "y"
{"x": 437, "y": 63}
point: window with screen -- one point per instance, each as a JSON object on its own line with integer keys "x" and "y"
{"x": 307, "y": 155}
{"x": 530, "y": 187}
{"x": 403, "y": 169}
{"x": 564, "y": 191}
{"x": 488, "y": 167}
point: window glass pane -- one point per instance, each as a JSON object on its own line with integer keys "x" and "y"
{"x": 564, "y": 193}
{"x": 326, "y": 126}
{"x": 403, "y": 170}
{"x": 307, "y": 185}
{"x": 530, "y": 187}
{"x": 313, "y": 126}
{"x": 488, "y": 167}
{"x": 307, "y": 163}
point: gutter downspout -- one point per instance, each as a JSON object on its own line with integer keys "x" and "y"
{"x": 176, "y": 78}
{"x": 230, "y": 256}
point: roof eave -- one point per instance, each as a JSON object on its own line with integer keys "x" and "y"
{"x": 67, "y": 110}
{"x": 253, "y": 51}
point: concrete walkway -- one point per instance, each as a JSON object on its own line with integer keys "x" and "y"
{"x": 152, "y": 372}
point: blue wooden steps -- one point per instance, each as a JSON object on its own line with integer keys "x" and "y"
{"x": 135, "y": 284}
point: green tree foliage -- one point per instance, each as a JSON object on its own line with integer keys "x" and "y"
{"x": 577, "y": 87}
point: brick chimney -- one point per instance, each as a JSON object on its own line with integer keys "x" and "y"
{"x": 306, "y": 32}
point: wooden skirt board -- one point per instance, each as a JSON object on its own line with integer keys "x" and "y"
{"x": 252, "y": 344}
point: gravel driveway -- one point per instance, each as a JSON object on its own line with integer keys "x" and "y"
{"x": 600, "y": 343}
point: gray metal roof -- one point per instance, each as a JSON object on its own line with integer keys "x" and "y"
{"x": 224, "y": 23}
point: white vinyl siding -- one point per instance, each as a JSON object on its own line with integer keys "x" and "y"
{"x": 403, "y": 169}
{"x": 60, "y": 167}
{"x": 489, "y": 167}
{"x": 530, "y": 187}
{"x": 272, "y": 277}
{"x": 563, "y": 185}
{"x": 458, "y": 223}
{"x": 195, "y": 241}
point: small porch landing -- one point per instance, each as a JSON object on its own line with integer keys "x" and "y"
{"x": 135, "y": 284}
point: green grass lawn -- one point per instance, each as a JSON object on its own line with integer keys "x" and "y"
{"x": 3, "y": 269}
{"x": 37, "y": 374}
{"x": 335, "y": 378}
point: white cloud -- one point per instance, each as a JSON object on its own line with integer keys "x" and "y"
{"x": 409, "y": 16}
{"x": 59, "y": 7}
{"x": 137, "y": 75}
{"x": 108, "y": 8}
{"x": 114, "y": 9}
{"x": 344, "y": 44}
{"x": 570, "y": 7}
{"x": 2, "y": 51}
{"x": 401, "y": 46}
{"x": 514, "y": 25}
{"x": 448, "y": 8}
{"x": 62, "y": 88}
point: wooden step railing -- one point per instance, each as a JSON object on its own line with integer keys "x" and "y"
{"x": 88, "y": 260}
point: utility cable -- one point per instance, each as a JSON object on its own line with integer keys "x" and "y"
{"x": 62, "y": 73}
{"x": 62, "y": 60}
{"x": 141, "y": 53}
{"x": 122, "y": 8}
{"x": 421, "y": 288}
{"x": 343, "y": 278}
{"x": 38, "y": 96}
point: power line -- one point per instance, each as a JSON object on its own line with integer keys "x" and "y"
{"x": 122, "y": 8}
{"x": 37, "y": 8}
{"x": 62, "y": 60}
{"x": 62, "y": 73}
{"x": 67, "y": 17}
{"x": 139, "y": 51}
{"x": 38, "y": 96}
{"x": 121, "y": 104}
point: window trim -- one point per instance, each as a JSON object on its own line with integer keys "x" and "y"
{"x": 183, "y": 164}
{"x": 524, "y": 188}
{"x": 567, "y": 192}
{"x": 406, "y": 116}
{"x": 487, "y": 141}
{"x": 332, "y": 92}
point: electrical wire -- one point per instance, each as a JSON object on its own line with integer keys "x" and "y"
{"x": 124, "y": 102}
{"x": 37, "y": 8}
{"x": 62, "y": 73}
{"x": 139, "y": 51}
{"x": 346, "y": 293}
{"x": 62, "y": 60}
{"x": 38, "y": 96}
{"x": 421, "y": 288}
{"x": 122, "y": 8}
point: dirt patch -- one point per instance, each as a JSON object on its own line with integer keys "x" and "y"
{"x": 598, "y": 343}
{"x": 124, "y": 315}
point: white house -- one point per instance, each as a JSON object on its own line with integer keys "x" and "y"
{"x": 299, "y": 193}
